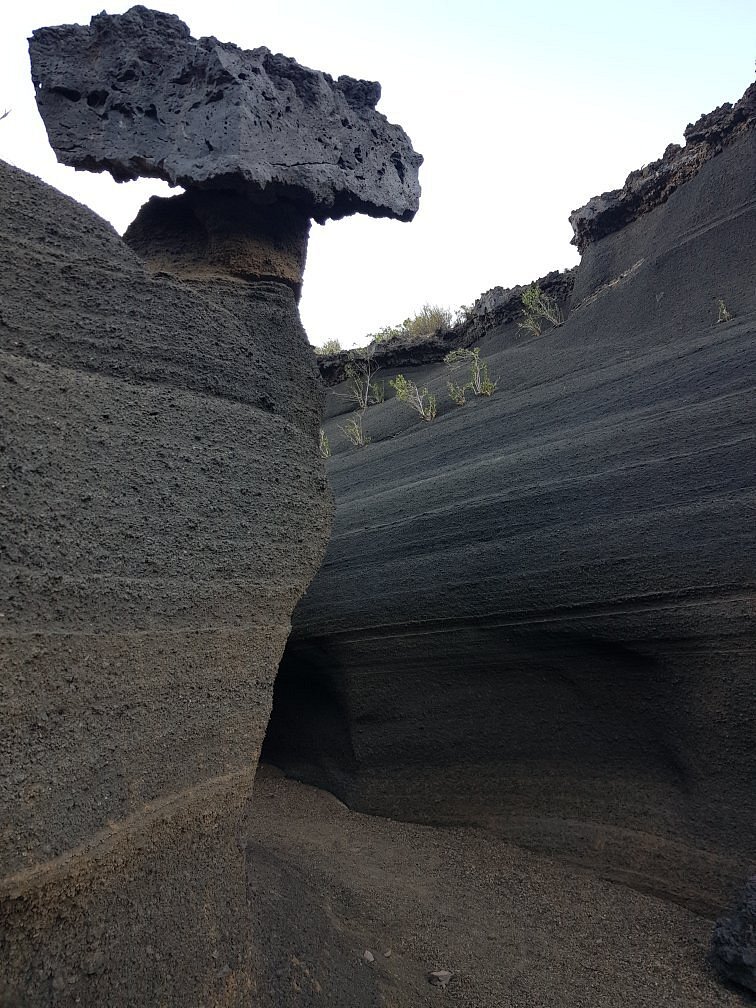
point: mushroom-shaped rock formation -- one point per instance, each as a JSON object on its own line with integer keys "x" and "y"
{"x": 134, "y": 94}
{"x": 165, "y": 504}
{"x": 275, "y": 143}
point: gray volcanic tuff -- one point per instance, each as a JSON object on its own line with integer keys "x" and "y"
{"x": 136, "y": 95}
{"x": 162, "y": 510}
{"x": 535, "y": 612}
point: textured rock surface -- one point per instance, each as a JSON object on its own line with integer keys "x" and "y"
{"x": 536, "y": 613}
{"x": 733, "y": 943}
{"x": 651, "y": 185}
{"x": 135, "y": 94}
{"x": 202, "y": 234}
{"x": 162, "y": 510}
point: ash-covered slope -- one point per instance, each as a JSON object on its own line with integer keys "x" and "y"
{"x": 163, "y": 508}
{"x": 536, "y": 611}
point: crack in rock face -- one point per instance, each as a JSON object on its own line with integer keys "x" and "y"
{"x": 134, "y": 94}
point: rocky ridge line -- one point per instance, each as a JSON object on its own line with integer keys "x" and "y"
{"x": 653, "y": 184}
{"x": 493, "y": 308}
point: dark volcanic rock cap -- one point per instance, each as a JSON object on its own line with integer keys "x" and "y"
{"x": 134, "y": 94}
{"x": 652, "y": 185}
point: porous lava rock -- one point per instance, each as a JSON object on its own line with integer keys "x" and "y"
{"x": 652, "y": 184}
{"x": 163, "y": 508}
{"x": 134, "y": 94}
{"x": 535, "y": 612}
{"x": 733, "y": 942}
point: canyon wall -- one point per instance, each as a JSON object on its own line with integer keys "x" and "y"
{"x": 536, "y": 611}
{"x": 163, "y": 510}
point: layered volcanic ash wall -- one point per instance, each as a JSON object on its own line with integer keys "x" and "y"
{"x": 163, "y": 510}
{"x": 536, "y": 611}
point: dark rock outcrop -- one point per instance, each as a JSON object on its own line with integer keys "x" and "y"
{"x": 163, "y": 508}
{"x": 652, "y": 185}
{"x": 134, "y": 94}
{"x": 733, "y": 942}
{"x": 164, "y": 502}
{"x": 535, "y": 612}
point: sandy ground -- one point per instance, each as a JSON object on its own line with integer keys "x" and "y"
{"x": 514, "y": 928}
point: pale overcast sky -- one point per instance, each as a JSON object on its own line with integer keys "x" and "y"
{"x": 523, "y": 111}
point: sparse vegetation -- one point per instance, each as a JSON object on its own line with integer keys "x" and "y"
{"x": 724, "y": 314}
{"x": 427, "y": 321}
{"x": 479, "y": 382}
{"x": 457, "y": 393}
{"x": 387, "y": 333}
{"x": 330, "y": 346}
{"x": 354, "y": 431}
{"x": 377, "y": 392}
{"x": 538, "y": 308}
{"x": 418, "y": 399}
{"x": 324, "y": 444}
{"x": 361, "y": 389}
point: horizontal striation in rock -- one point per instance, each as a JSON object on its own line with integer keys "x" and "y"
{"x": 162, "y": 510}
{"x": 536, "y": 611}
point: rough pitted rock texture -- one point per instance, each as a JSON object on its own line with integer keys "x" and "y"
{"x": 163, "y": 509}
{"x": 733, "y": 942}
{"x": 536, "y": 612}
{"x": 202, "y": 234}
{"x": 135, "y": 95}
{"x": 499, "y": 305}
{"x": 651, "y": 185}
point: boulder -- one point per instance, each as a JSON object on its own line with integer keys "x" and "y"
{"x": 134, "y": 94}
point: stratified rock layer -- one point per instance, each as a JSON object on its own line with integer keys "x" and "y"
{"x": 207, "y": 233}
{"x": 135, "y": 94}
{"x": 163, "y": 508}
{"x": 536, "y": 612}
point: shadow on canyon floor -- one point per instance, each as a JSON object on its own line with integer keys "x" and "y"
{"x": 515, "y": 928}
